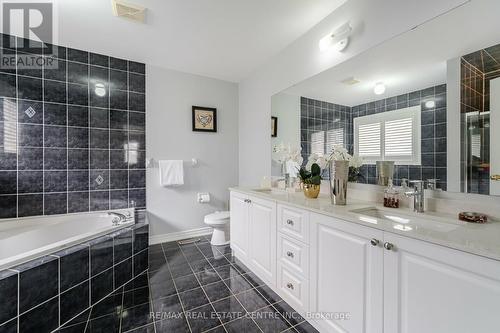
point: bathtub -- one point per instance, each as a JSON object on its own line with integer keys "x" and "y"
{"x": 23, "y": 239}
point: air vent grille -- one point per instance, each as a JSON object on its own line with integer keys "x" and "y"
{"x": 129, "y": 11}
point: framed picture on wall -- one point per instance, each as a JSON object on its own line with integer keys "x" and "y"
{"x": 274, "y": 127}
{"x": 204, "y": 119}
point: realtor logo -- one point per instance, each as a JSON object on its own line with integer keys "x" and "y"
{"x": 33, "y": 21}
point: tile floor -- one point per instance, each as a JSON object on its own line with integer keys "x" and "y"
{"x": 192, "y": 288}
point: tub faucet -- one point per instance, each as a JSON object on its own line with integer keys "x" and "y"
{"x": 119, "y": 218}
{"x": 418, "y": 195}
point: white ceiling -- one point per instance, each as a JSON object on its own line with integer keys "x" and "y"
{"x": 409, "y": 62}
{"x": 226, "y": 39}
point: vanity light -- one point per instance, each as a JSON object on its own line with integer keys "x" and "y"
{"x": 100, "y": 90}
{"x": 430, "y": 104}
{"x": 338, "y": 39}
{"x": 379, "y": 88}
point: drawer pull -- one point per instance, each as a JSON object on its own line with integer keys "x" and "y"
{"x": 388, "y": 246}
{"x": 289, "y": 254}
{"x": 289, "y": 222}
{"x": 374, "y": 241}
{"x": 289, "y": 286}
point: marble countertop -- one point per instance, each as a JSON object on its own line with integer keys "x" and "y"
{"x": 438, "y": 228}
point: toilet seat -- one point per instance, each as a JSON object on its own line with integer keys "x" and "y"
{"x": 217, "y": 218}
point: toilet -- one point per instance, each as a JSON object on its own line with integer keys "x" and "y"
{"x": 220, "y": 222}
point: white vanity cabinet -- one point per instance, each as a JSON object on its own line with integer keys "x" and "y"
{"x": 431, "y": 288}
{"x": 346, "y": 275}
{"x": 253, "y": 234}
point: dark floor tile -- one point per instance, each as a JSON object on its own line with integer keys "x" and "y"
{"x": 135, "y": 317}
{"x": 253, "y": 279}
{"x": 238, "y": 284}
{"x": 268, "y": 294}
{"x": 162, "y": 289}
{"x": 180, "y": 270}
{"x": 193, "y": 298}
{"x": 157, "y": 262}
{"x": 200, "y": 265}
{"x": 292, "y": 316}
{"x": 229, "y": 309}
{"x": 252, "y": 300}
{"x": 187, "y": 282}
{"x": 177, "y": 325}
{"x": 243, "y": 325}
{"x": 176, "y": 259}
{"x": 167, "y": 305}
{"x": 217, "y": 291}
{"x": 218, "y": 262}
{"x": 202, "y": 319}
{"x": 207, "y": 276}
{"x": 43, "y": 318}
{"x": 270, "y": 321}
{"x": 240, "y": 267}
{"x": 305, "y": 327}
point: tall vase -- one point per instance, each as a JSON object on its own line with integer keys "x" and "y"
{"x": 339, "y": 175}
{"x": 285, "y": 174}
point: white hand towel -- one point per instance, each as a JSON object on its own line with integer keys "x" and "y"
{"x": 171, "y": 173}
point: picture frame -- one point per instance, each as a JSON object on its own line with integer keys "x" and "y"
{"x": 274, "y": 127}
{"x": 204, "y": 119}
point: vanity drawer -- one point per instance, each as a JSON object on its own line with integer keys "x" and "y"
{"x": 294, "y": 223}
{"x": 293, "y": 288}
{"x": 293, "y": 254}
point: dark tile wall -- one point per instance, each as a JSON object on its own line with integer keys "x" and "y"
{"x": 72, "y": 138}
{"x": 322, "y": 116}
{"x": 326, "y": 119}
{"x": 43, "y": 294}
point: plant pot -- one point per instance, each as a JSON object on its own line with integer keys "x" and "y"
{"x": 311, "y": 191}
{"x": 339, "y": 175}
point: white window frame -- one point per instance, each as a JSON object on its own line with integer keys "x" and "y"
{"x": 413, "y": 112}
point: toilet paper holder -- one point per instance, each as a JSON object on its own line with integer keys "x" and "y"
{"x": 203, "y": 197}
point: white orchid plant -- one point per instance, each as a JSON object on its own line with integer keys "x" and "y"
{"x": 283, "y": 153}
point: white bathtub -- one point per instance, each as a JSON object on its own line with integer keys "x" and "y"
{"x": 23, "y": 239}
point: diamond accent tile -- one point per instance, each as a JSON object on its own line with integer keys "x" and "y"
{"x": 30, "y": 112}
{"x": 99, "y": 180}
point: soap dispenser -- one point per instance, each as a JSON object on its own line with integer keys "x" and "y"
{"x": 391, "y": 196}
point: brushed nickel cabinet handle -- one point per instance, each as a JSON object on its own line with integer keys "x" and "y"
{"x": 290, "y": 254}
{"x": 374, "y": 241}
{"x": 289, "y": 222}
{"x": 289, "y": 285}
{"x": 388, "y": 246}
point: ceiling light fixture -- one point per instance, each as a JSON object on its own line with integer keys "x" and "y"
{"x": 430, "y": 104}
{"x": 338, "y": 38}
{"x": 379, "y": 88}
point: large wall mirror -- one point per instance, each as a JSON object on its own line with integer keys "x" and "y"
{"x": 425, "y": 99}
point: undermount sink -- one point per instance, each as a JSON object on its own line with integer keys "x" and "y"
{"x": 405, "y": 222}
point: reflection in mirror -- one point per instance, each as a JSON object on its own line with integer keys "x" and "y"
{"x": 425, "y": 100}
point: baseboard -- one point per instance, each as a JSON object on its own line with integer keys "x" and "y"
{"x": 175, "y": 236}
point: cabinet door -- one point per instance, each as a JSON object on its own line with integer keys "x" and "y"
{"x": 430, "y": 288}
{"x": 239, "y": 224}
{"x": 346, "y": 275}
{"x": 262, "y": 223}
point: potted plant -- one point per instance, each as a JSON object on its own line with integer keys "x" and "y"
{"x": 310, "y": 176}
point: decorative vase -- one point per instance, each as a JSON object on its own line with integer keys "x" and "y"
{"x": 311, "y": 191}
{"x": 339, "y": 175}
{"x": 285, "y": 174}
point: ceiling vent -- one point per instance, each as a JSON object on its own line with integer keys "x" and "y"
{"x": 350, "y": 81}
{"x": 129, "y": 11}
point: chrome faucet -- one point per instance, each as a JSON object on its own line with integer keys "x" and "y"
{"x": 119, "y": 217}
{"x": 418, "y": 195}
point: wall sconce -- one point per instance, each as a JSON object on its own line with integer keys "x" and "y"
{"x": 338, "y": 38}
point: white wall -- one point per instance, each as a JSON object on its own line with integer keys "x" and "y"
{"x": 373, "y": 21}
{"x": 170, "y": 96}
{"x": 287, "y": 108}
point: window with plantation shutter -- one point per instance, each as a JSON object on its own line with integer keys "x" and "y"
{"x": 389, "y": 136}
